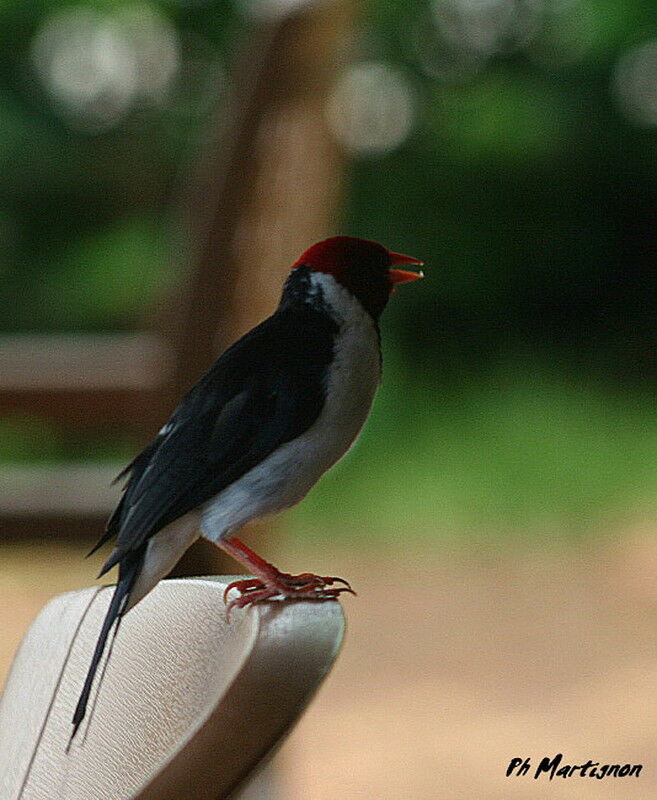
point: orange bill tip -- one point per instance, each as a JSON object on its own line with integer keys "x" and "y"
{"x": 404, "y": 275}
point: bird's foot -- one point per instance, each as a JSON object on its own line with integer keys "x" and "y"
{"x": 283, "y": 586}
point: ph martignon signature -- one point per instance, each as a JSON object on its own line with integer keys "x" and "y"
{"x": 552, "y": 767}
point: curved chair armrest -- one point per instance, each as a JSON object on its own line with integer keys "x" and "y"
{"x": 189, "y": 704}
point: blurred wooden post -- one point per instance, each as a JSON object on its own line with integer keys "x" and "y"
{"x": 267, "y": 191}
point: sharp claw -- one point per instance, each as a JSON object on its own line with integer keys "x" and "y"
{"x": 243, "y": 586}
{"x": 339, "y": 580}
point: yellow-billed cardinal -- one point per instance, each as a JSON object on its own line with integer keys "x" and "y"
{"x": 257, "y": 431}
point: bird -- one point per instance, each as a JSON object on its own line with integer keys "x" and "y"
{"x": 257, "y": 431}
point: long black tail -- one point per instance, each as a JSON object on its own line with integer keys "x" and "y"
{"x": 129, "y": 570}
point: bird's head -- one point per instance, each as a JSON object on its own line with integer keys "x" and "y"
{"x": 367, "y": 269}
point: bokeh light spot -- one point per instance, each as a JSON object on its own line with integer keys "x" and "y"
{"x": 96, "y": 67}
{"x": 372, "y": 108}
{"x": 635, "y": 83}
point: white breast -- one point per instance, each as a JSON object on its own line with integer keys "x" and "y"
{"x": 286, "y": 476}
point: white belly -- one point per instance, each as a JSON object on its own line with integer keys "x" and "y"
{"x": 286, "y": 476}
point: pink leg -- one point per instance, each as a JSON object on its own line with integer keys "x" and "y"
{"x": 271, "y": 583}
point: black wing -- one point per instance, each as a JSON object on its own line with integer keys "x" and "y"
{"x": 267, "y": 389}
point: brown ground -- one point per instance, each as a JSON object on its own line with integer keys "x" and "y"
{"x": 453, "y": 664}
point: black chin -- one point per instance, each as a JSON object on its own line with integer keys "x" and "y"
{"x": 373, "y": 298}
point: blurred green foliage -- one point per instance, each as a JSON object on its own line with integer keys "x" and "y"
{"x": 520, "y": 379}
